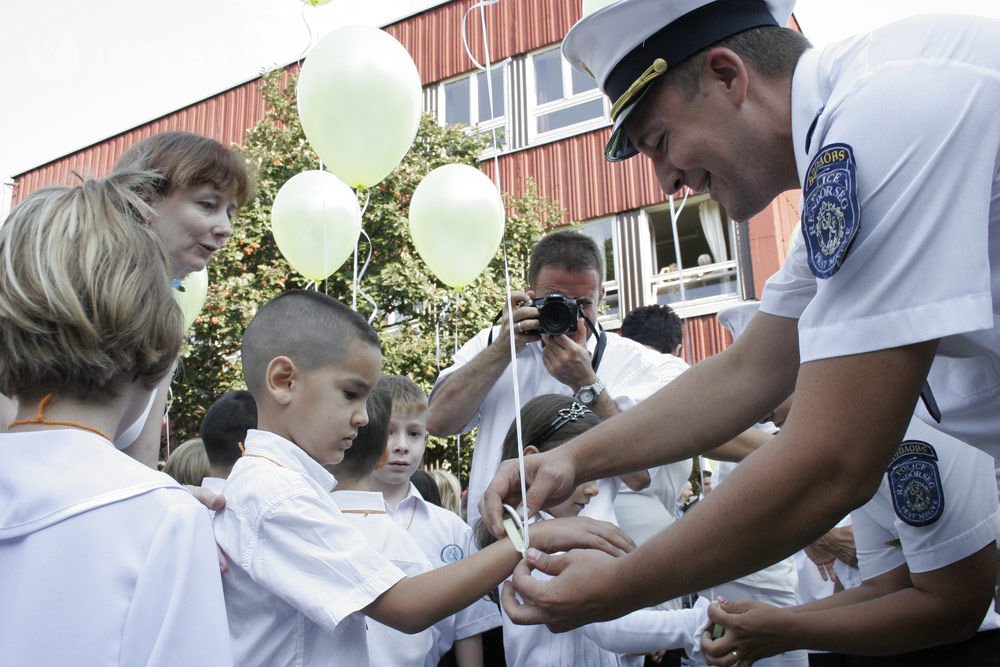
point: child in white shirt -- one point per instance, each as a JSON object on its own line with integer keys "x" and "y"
{"x": 442, "y": 534}
{"x": 301, "y": 579}
{"x": 366, "y": 510}
{"x": 223, "y": 430}
{"x": 103, "y": 561}
{"x": 547, "y": 421}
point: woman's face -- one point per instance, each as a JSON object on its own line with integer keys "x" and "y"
{"x": 193, "y": 223}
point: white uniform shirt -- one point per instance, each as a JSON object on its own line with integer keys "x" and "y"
{"x": 298, "y": 572}
{"x": 366, "y": 511}
{"x": 621, "y": 642}
{"x": 444, "y": 538}
{"x": 628, "y": 370}
{"x": 967, "y": 520}
{"x": 917, "y": 103}
{"x": 102, "y": 560}
{"x": 644, "y": 513}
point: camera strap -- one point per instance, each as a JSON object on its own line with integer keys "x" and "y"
{"x": 595, "y": 359}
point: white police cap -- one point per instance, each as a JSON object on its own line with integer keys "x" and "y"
{"x": 629, "y": 43}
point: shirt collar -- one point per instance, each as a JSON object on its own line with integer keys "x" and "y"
{"x": 807, "y": 104}
{"x": 287, "y": 454}
{"x": 360, "y": 501}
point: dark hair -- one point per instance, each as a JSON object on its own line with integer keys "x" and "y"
{"x": 186, "y": 160}
{"x": 311, "y": 328}
{"x": 656, "y": 326}
{"x": 567, "y": 249}
{"x": 225, "y": 425}
{"x": 772, "y": 51}
{"x": 543, "y": 426}
{"x": 426, "y": 486}
{"x": 369, "y": 446}
{"x": 539, "y": 416}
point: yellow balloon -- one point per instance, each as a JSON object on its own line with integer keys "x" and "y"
{"x": 457, "y": 222}
{"x": 359, "y": 99}
{"x": 191, "y": 295}
{"x": 316, "y": 222}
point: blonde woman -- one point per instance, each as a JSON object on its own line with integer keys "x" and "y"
{"x": 88, "y": 328}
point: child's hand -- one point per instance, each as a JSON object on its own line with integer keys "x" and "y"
{"x": 579, "y": 533}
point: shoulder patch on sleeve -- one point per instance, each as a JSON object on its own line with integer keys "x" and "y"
{"x": 831, "y": 213}
{"x": 915, "y": 483}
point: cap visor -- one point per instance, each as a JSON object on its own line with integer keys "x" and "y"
{"x": 619, "y": 146}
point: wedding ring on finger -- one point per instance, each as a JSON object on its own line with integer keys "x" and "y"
{"x": 520, "y": 328}
{"x": 736, "y": 654}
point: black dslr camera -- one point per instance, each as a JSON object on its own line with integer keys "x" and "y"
{"x": 557, "y": 314}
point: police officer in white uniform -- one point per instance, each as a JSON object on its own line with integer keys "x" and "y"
{"x": 894, "y": 139}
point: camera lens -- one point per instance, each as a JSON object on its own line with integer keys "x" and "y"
{"x": 555, "y": 318}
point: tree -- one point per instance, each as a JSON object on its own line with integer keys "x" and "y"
{"x": 419, "y": 319}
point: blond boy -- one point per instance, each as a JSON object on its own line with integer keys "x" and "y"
{"x": 442, "y": 534}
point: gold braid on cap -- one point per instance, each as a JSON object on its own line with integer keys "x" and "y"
{"x": 658, "y": 68}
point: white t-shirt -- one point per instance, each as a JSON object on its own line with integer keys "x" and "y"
{"x": 299, "y": 573}
{"x": 366, "y": 511}
{"x": 629, "y": 371}
{"x": 444, "y": 538}
{"x": 103, "y": 561}
{"x": 936, "y": 505}
{"x": 915, "y": 104}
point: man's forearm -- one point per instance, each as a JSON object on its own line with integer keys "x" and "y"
{"x": 457, "y": 397}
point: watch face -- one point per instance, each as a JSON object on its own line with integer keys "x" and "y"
{"x": 587, "y": 396}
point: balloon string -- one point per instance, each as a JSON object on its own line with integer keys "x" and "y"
{"x": 166, "y": 415}
{"x": 458, "y": 438}
{"x": 367, "y": 297}
{"x": 310, "y": 36}
{"x": 481, "y": 6}
{"x": 674, "y": 215}
{"x": 357, "y": 277}
{"x": 517, "y": 396}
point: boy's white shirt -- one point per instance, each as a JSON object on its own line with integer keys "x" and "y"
{"x": 102, "y": 559}
{"x": 444, "y": 537}
{"x": 622, "y": 641}
{"x": 366, "y": 510}
{"x": 299, "y": 574}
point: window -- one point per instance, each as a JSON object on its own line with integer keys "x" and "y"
{"x": 564, "y": 100}
{"x": 602, "y": 231}
{"x": 466, "y": 101}
{"x": 698, "y": 264}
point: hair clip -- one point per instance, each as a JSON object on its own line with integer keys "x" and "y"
{"x": 574, "y": 412}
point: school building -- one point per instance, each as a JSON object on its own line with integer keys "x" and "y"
{"x": 552, "y": 124}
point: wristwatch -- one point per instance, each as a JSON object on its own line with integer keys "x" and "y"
{"x": 588, "y": 393}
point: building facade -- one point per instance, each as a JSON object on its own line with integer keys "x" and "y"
{"x": 548, "y": 123}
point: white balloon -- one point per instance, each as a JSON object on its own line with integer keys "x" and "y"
{"x": 359, "y": 99}
{"x": 456, "y": 221}
{"x": 316, "y": 222}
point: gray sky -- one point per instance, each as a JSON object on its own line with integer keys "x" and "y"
{"x": 78, "y": 72}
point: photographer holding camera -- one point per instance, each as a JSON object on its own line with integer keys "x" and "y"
{"x": 560, "y": 349}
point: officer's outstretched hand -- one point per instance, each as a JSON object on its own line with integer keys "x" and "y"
{"x": 753, "y": 630}
{"x": 580, "y": 592}
{"x": 550, "y": 478}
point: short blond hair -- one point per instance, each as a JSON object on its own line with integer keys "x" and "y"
{"x": 85, "y": 291}
{"x": 188, "y": 464}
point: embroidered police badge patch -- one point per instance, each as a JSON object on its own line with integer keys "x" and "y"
{"x": 915, "y": 483}
{"x": 452, "y": 553}
{"x": 830, "y": 212}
